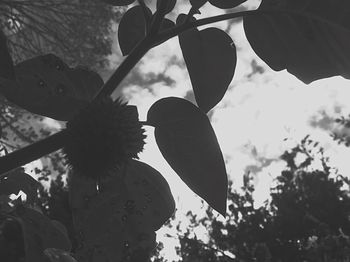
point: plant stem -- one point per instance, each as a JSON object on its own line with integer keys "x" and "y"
{"x": 121, "y": 72}
{"x": 32, "y": 152}
{"x": 158, "y": 18}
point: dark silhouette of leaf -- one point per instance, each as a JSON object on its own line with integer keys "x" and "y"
{"x": 39, "y": 233}
{"x": 132, "y": 29}
{"x": 210, "y": 57}
{"x": 198, "y": 3}
{"x": 45, "y": 85}
{"x": 308, "y": 38}
{"x": 119, "y": 2}
{"x": 6, "y": 64}
{"x": 187, "y": 141}
{"x": 225, "y": 4}
{"x": 171, "y": 5}
{"x": 16, "y": 181}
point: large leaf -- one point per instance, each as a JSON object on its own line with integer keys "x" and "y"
{"x": 6, "y": 64}
{"x": 225, "y": 4}
{"x": 122, "y": 217}
{"x": 45, "y": 85}
{"x": 210, "y": 57}
{"x": 187, "y": 141}
{"x": 170, "y": 6}
{"x": 310, "y": 38}
{"x": 17, "y": 180}
{"x": 132, "y": 29}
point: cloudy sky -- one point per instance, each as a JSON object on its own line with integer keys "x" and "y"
{"x": 262, "y": 114}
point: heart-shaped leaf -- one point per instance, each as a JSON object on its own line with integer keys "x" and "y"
{"x": 308, "y": 38}
{"x": 45, "y": 85}
{"x": 132, "y": 29}
{"x": 187, "y": 141}
{"x": 225, "y": 4}
{"x": 210, "y": 57}
{"x": 16, "y": 181}
{"x": 119, "y": 2}
{"x": 6, "y": 64}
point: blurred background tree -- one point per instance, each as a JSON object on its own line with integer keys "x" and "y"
{"x": 305, "y": 219}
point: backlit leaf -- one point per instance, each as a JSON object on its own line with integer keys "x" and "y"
{"x": 187, "y": 141}
{"x": 132, "y": 29}
{"x": 198, "y": 3}
{"x": 308, "y": 38}
{"x": 210, "y": 57}
{"x": 45, "y": 85}
{"x": 171, "y": 5}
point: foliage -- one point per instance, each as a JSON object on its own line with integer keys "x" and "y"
{"x": 298, "y": 223}
{"x": 76, "y": 31}
{"x": 115, "y": 216}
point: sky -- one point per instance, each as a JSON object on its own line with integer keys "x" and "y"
{"x": 262, "y": 114}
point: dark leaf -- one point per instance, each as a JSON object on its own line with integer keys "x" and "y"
{"x": 225, "y": 4}
{"x": 308, "y": 38}
{"x": 210, "y": 57}
{"x": 187, "y": 141}
{"x": 39, "y": 233}
{"x": 171, "y": 5}
{"x": 198, "y": 3}
{"x": 132, "y": 29}
{"x": 119, "y": 2}
{"x": 45, "y": 85}
{"x": 16, "y": 181}
{"x": 6, "y": 64}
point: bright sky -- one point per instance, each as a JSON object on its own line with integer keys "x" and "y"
{"x": 261, "y": 115}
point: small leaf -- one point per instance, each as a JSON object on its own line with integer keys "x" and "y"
{"x": 210, "y": 57}
{"x": 187, "y": 141}
{"x": 198, "y": 3}
{"x": 15, "y": 181}
{"x": 225, "y": 4}
{"x": 132, "y": 29}
{"x": 170, "y": 7}
{"x": 6, "y": 65}
{"x": 119, "y": 2}
{"x": 45, "y": 85}
{"x": 308, "y": 38}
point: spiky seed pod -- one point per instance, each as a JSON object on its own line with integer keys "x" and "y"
{"x": 102, "y": 137}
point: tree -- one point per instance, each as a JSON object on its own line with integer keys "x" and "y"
{"x": 296, "y": 224}
{"x": 77, "y": 31}
{"x": 116, "y": 202}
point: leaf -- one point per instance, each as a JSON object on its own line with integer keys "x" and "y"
{"x": 39, "y": 233}
{"x": 198, "y": 3}
{"x": 308, "y": 38}
{"x": 45, "y": 85}
{"x": 132, "y": 29}
{"x": 170, "y": 7}
{"x": 187, "y": 141}
{"x": 151, "y": 193}
{"x": 6, "y": 64}
{"x": 225, "y": 4}
{"x": 17, "y": 180}
{"x": 210, "y": 57}
{"x": 119, "y": 2}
